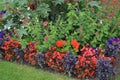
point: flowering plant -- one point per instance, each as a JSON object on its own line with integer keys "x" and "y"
{"x": 112, "y": 48}
{"x": 53, "y": 59}
{"x": 104, "y": 68}
{"x": 86, "y": 62}
{"x": 9, "y": 46}
{"x": 29, "y": 53}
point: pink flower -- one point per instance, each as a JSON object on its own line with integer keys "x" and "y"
{"x": 46, "y": 38}
{"x": 45, "y": 23}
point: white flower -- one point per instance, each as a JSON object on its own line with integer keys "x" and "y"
{"x": 101, "y": 21}
{"x": 28, "y": 8}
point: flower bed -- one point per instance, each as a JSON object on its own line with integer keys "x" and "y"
{"x": 66, "y": 36}
{"x": 89, "y": 63}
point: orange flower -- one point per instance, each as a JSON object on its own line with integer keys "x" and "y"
{"x": 60, "y": 43}
{"x": 75, "y": 44}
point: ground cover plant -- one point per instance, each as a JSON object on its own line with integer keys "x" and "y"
{"x": 65, "y": 36}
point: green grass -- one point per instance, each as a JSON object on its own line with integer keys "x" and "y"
{"x": 13, "y": 71}
{"x": 119, "y": 77}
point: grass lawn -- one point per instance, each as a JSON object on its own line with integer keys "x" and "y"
{"x": 119, "y": 77}
{"x": 13, "y": 71}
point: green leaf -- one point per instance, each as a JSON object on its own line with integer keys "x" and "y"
{"x": 9, "y": 24}
{"x": 58, "y": 1}
{"x": 43, "y": 10}
{"x": 22, "y": 32}
{"x": 93, "y": 3}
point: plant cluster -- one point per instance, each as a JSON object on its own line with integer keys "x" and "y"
{"x": 54, "y": 58}
{"x": 29, "y": 53}
{"x": 86, "y": 63}
{"x": 104, "y": 68}
{"x": 26, "y": 23}
{"x": 89, "y": 63}
{"x": 35, "y": 20}
{"x": 113, "y": 48}
{"x": 9, "y": 47}
{"x": 40, "y": 59}
{"x": 69, "y": 61}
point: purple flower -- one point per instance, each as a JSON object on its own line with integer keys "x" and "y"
{"x": 2, "y": 12}
{"x": 2, "y": 32}
{"x": 10, "y": 34}
{"x": 96, "y": 51}
{"x": 42, "y": 33}
{"x": 111, "y": 40}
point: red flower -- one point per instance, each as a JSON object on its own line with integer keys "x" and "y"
{"x": 60, "y": 43}
{"x": 75, "y": 44}
{"x": 32, "y": 6}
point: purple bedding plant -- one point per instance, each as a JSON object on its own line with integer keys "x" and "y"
{"x": 1, "y": 50}
{"x": 2, "y": 33}
{"x": 69, "y": 63}
{"x": 112, "y": 48}
{"x": 19, "y": 52}
{"x": 104, "y": 68}
{"x": 40, "y": 59}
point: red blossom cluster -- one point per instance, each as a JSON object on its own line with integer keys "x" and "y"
{"x": 75, "y": 44}
{"x": 30, "y": 52}
{"x": 86, "y": 63}
{"x": 53, "y": 59}
{"x": 9, "y": 47}
{"x": 60, "y": 43}
{"x": 10, "y": 44}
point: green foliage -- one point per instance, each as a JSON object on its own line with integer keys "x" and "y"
{"x": 93, "y": 3}
{"x": 86, "y": 21}
{"x": 58, "y": 2}
{"x": 42, "y": 10}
